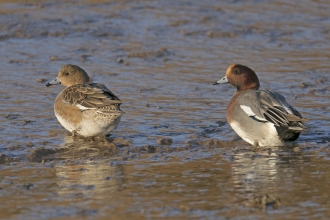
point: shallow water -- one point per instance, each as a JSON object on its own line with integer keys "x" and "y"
{"x": 172, "y": 51}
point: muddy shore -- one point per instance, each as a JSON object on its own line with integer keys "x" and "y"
{"x": 173, "y": 154}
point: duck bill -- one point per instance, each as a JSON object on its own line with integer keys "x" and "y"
{"x": 221, "y": 81}
{"x": 53, "y": 82}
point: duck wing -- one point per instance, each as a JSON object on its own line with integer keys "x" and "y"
{"x": 90, "y": 96}
{"x": 270, "y": 106}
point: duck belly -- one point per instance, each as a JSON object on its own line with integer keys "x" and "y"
{"x": 91, "y": 126}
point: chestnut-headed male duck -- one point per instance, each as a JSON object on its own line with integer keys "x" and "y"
{"x": 260, "y": 117}
{"x": 85, "y": 108}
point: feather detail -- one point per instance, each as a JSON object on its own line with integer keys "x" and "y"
{"x": 89, "y": 95}
{"x": 267, "y": 105}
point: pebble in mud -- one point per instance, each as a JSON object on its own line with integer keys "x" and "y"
{"x": 184, "y": 208}
{"x": 122, "y": 142}
{"x": 30, "y": 144}
{"x": 164, "y": 141}
{"x": 14, "y": 61}
{"x": 84, "y": 57}
{"x": 14, "y": 147}
{"x": 5, "y": 159}
{"x": 12, "y": 116}
{"x": 221, "y": 123}
{"x": 322, "y": 80}
{"x": 120, "y": 60}
{"x": 40, "y": 80}
{"x": 191, "y": 143}
{"x": 54, "y": 58}
{"x": 169, "y": 150}
{"x": 264, "y": 202}
{"x": 311, "y": 91}
{"x": 150, "y": 148}
{"x": 38, "y": 154}
{"x": 27, "y": 186}
{"x": 303, "y": 85}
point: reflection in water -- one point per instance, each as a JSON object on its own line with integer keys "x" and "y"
{"x": 254, "y": 171}
{"x": 95, "y": 180}
{"x": 285, "y": 175}
{"x": 181, "y": 184}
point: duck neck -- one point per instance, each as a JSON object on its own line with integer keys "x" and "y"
{"x": 248, "y": 86}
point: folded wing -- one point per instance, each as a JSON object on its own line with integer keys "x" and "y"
{"x": 91, "y": 96}
{"x": 269, "y": 106}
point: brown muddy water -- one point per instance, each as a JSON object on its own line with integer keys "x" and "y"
{"x": 161, "y": 58}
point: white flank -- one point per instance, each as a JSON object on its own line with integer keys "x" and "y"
{"x": 267, "y": 137}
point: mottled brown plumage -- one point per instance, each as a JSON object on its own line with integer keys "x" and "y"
{"x": 89, "y": 109}
{"x": 89, "y": 95}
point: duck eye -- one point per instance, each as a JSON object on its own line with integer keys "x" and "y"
{"x": 66, "y": 74}
{"x": 236, "y": 71}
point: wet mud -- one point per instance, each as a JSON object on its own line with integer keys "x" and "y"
{"x": 173, "y": 155}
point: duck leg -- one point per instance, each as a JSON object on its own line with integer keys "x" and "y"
{"x": 256, "y": 144}
{"x": 108, "y": 139}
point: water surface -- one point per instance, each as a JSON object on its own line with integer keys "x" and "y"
{"x": 172, "y": 51}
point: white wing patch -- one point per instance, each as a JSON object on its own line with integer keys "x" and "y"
{"x": 250, "y": 113}
{"x": 83, "y": 107}
{"x": 247, "y": 110}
